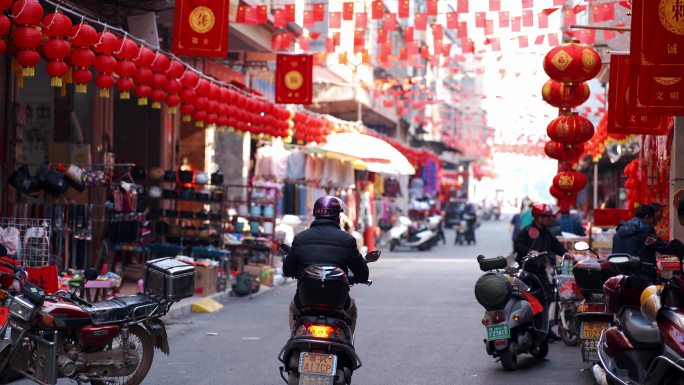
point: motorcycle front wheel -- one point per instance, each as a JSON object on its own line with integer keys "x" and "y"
{"x": 140, "y": 342}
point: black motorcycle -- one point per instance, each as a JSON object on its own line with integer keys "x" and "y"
{"x": 321, "y": 347}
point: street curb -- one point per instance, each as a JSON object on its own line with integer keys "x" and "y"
{"x": 178, "y": 311}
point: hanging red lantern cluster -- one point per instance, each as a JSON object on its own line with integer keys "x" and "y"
{"x": 82, "y": 37}
{"x": 173, "y": 87}
{"x": 569, "y": 66}
{"x": 160, "y": 65}
{"x": 105, "y": 63}
{"x": 188, "y": 81}
{"x": 201, "y": 102}
{"x": 125, "y": 67}
{"x": 57, "y": 27}
{"x": 5, "y": 23}
{"x": 27, "y": 38}
{"x": 143, "y": 74}
{"x": 634, "y": 186}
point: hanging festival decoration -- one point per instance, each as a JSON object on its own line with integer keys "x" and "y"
{"x": 160, "y": 65}
{"x": 27, "y": 14}
{"x": 56, "y": 26}
{"x": 125, "y": 67}
{"x": 105, "y": 63}
{"x": 172, "y": 86}
{"x": 562, "y": 152}
{"x": 572, "y": 63}
{"x": 570, "y": 181}
{"x": 201, "y": 102}
{"x": 189, "y": 82}
{"x": 143, "y": 74}
{"x": 5, "y": 23}
{"x": 570, "y": 129}
{"x": 565, "y": 96}
{"x": 83, "y": 36}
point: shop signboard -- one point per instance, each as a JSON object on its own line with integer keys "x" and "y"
{"x": 294, "y": 79}
{"x": 621, "y": 118}
{"x": 201, "y": 28}
{"x": 657, "y": 70}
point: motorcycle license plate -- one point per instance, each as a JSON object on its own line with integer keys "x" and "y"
{"x": 591, "y": 330}
{"x": 319, "y": 364}
{"x": 498, "y": 332}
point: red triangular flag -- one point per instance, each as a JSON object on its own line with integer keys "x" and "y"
{"x": 279, "y": 20}
{"x": 548, "y": 11}
{"x": 404, "y": 8}
{"x": 290, "y": 14}
{"x": 462, "y": 6}
{"x": 528, "y": 18}
{"x": 579, "y": 8}
{"x": 378, "y": 10}
{"x": 348, "y": 11}
{"x": 420, "y": 21}
{"x": 319, "y": 11}
{"x": 431, "y": 7}
{"x": 504, "y": 19}
{"x": 361, "y": 20}
{"x": 408, "y": 35}
{"x": 452, "y": 20}
{"x": 515, "y": 23}
{"x": 314, "y": 35}
{"x": 390, "y": 22}
{"x": 335, "y": 20}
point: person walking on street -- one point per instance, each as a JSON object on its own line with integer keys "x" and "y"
{"x": 325, "y": 243}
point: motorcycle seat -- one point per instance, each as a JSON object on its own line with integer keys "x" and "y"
{"x": 639, "y": 330}
{"x": 134, "y": 307}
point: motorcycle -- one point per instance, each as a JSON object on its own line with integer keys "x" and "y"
{"x": 516, "y": 319}
{"x": 113, "y": 341}
{"x": 406, "y": 233}
{"x": 434, "y": 223}
{"x": 645, "y": 347}
{"x": 321, "y": 345}
{"x": 569, "y": 297}
{"x": 465, "y": 231}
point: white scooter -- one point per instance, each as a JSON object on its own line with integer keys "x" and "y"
{"x": 406, "y": 233}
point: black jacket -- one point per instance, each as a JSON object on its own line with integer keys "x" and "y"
{"x": 324, "y": 243}
{"x": 636, "y": 237}
{"x": 545, "y": 242}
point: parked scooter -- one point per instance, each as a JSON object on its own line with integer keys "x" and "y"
{"x": 406, "y": 233}
{"x": 434, "y": 223}
{"x": 646, "y": 346}
{"x": 113, "y": 341}
{"x": 321, "y": 347}
{"x": 515, "y": 319}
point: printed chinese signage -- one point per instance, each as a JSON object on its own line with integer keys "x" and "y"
{"x": 657, "y": 70}
{"x": 294, "y": 79}
{"x": 201, "y": 28}
{"x": 44, "y": 277}
{"x": 621, "y": 118}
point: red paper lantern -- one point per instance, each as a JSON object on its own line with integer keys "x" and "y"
{"x": 570, "y": 129}
{"x": 82, "y": 36}
{"x": 160, "y": 65}
{"x": 5, "y": 25}
{"x": 173, "y": 86}
{"x": 27, "y": 14}
{"x": 57, "y": 27}
{"x": 565, "y": 96}
{"x": 105, "y": 63}
{"x": 570, "y": 181}
{"x": 143, "y": 74}
{"x": 201, "y": 102}
{"x": 572, "y": 63}
{"x": 125, "y": 67}
{"x": 563, "y": 153}
{"x": 189, "y": 81}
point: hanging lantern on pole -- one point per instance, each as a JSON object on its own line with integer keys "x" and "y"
{"x": 125, "y": 67}
{"x": 563, "y": 152}
{"x": 83, "y": 36}
{"x": 570, "y": 129}
{"x": 565, "y": 96}
{"x": 570, "y": 181}
{"x": 105, "y": 63}
{"x": 57, "y": 27}
{"x": 572, "y": 63}
{"x": 143, "y": 74}
{"x": 27, "y": 15}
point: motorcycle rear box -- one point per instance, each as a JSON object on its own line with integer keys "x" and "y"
{"x": 169, "y": 278}
{"x": 591, "y": 274}
{"x": 324, "y": 286}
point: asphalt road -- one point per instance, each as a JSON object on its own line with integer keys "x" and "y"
{"x": 418, "y": 324}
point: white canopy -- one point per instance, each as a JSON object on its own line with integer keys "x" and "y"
{"x": 374, "y": 154}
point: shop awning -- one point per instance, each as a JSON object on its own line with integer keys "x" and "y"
{"x": 374, "y": 154}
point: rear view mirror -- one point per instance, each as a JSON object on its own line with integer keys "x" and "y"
{"x": 284, "y": 249}
{"x": 90, "y": 274}
{"x": 581, "y": 246}
{"x": 373, "y": 256}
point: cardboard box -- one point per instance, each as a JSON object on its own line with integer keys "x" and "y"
{"x": 254, "y": 270}
{"x": 205, "y": 280}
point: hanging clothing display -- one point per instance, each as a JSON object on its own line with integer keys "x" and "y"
{"x": 264, "y": 162}
{"x": 296, "y": 165}
{"x": 392, "y": 188}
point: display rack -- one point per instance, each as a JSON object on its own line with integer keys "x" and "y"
{"x": 27, "y": 240}
{"x": 249, "y": 216}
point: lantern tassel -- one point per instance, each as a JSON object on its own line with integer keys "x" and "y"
{"x": 231, "y": 129}
{"x": 29, "y": 72}
{"x": 142, "y": 101}
{"x": 20, "y": 81}
{"x": 199, "y": 124}
{"x": 104, "y": 93}
{"x": 56, "y": 81}
{"x": 156, "y": 105}
{"x": 173, "y": 110}
{"x": 187, "y": 118}
{"x": 125, "y": 95}
{"x": 81, "y": 88}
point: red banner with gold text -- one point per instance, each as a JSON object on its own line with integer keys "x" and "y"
{"x": 621, "y": 118}
{"x": 294, "y": 79}
{"x": 201, "y": 28}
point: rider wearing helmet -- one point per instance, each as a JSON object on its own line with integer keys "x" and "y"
{"x": 537, "y": 236}
{"x": 325, "y": 243}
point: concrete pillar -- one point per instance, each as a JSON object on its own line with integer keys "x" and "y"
{"x": 676, "y": 176}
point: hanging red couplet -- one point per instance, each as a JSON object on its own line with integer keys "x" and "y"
{"x": 657, "y": 70}
{"x": 201, "y": 28}
{"x": 294, "y": 79}
{"x": 621, "y": 118}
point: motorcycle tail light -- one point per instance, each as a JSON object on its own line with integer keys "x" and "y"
{"x": 498, "y": 317}
{"x": 485, "y": 321}
{"x": 320, "y": 331}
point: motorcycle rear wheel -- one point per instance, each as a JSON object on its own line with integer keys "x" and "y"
{"x": 509, "y": 361}
{"x": 141, "y": 340}
{"x": 570, "y": 336}
{"x": 542, "y": 351}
